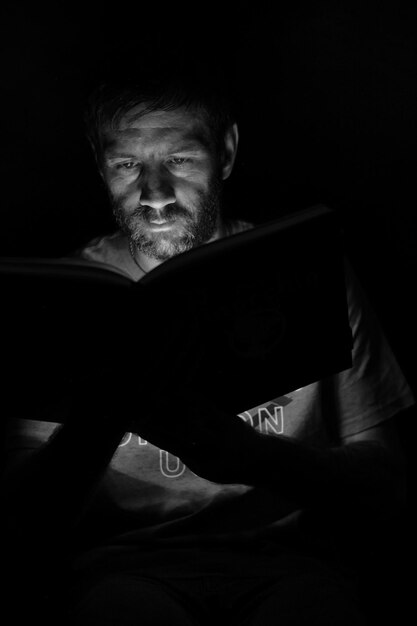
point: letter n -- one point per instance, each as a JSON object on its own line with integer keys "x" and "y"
{"x": 272, "y": 423}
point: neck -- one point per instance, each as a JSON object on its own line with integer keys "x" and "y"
{"x": 145, "y": 263}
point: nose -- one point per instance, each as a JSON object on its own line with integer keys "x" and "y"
{"x": 156, "y": 190}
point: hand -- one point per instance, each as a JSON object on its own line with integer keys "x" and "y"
{"x": 213, "y": 444}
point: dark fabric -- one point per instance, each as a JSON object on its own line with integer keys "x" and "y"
{"x": 305, "y": 591}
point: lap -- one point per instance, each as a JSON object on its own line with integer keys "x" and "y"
{"x": 128, "y": 600}
{"x": 311, "y": 597}
{"x": 303, "y": 591}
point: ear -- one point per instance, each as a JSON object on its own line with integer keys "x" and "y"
{"x": 97, "y": 156}
{"x": 231, "y": 140}
{"x": 99, "y": 163}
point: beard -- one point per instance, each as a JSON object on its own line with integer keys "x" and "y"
{"x": 197, "y": 224}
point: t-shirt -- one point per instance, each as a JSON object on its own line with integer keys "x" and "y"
{"x": 150, "y": 510}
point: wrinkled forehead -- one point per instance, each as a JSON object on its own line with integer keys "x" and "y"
{"x": 174, "y": 125}
{"x": 180, "y": 117}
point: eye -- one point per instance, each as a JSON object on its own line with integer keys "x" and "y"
{"x": 179, "y": 161}
{"x": 127, "y": 165}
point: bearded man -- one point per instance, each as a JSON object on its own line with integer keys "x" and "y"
{"x": 163, "y": 163}
{"x": 169, "y": 527}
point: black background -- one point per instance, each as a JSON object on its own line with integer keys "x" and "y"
{"x": 326, "y": 95}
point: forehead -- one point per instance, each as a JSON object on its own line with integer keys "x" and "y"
{"x": 158, "y": 129}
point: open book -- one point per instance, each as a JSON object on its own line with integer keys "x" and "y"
{"x": 242, "y": 320}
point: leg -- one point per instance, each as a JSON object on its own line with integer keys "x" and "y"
{"x": 310, "y": 595}
{"x": 127, "y": 600}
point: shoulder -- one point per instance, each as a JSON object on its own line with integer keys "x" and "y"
{"x": 111, "y": 249}
{"x": 104, "y": 246}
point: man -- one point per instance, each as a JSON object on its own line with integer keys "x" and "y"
{"x": 168, "y": 509}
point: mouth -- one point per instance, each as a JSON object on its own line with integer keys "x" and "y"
{"x": 158, "y": 227}
{"x": 159, "y": 221}
{"x": 162, "y": 224}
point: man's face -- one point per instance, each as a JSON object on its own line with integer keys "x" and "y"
{"x": 164, "y": 180}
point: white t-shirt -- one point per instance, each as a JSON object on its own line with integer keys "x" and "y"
{"x": 148, "y": 497}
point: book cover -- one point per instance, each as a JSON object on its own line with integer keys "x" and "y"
{"x": 241, "y": 320}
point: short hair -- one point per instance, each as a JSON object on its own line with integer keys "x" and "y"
{"x": 195, "y": 85}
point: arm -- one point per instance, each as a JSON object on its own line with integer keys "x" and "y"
{"x": 44, "y": 495}
{"x": 367, "y": 471}
{"x": 364, "y": 473}
{"x": 45, "y": 490}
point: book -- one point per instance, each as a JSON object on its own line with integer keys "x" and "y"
{"x": 241, "y": 320}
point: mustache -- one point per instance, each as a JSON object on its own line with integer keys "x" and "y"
{"x": 170, "y": 212}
